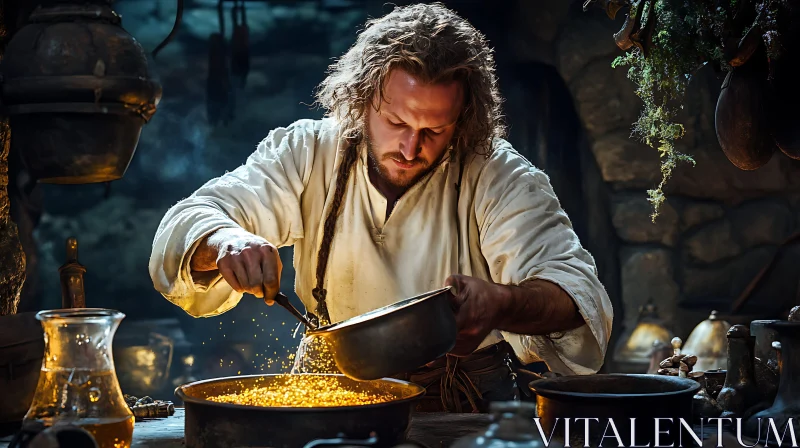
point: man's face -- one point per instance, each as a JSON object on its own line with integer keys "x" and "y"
{"x": 413, "y": 128}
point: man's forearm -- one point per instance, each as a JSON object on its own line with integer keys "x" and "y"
{"x": 538, "y": 307}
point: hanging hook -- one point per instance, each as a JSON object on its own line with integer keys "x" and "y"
{"x": 171, "y": 35}
{"x": 221, "y": 17}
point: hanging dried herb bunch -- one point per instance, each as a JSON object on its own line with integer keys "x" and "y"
{"x": 667, "y": 41}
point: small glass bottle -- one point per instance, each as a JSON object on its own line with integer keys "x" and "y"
{"x": 512, "y": 427}
{"x": 77, "y": 383}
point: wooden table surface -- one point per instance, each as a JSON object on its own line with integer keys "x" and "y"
{"x": 434, "y": 430}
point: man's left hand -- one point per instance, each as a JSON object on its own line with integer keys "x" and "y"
{"x": 479, "y": 309}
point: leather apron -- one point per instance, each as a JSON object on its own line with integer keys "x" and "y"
{"x": 470, "y": 383}
{"x": 466, "y": 384}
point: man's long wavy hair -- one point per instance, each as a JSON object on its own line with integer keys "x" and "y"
{"x": 431, "y": 43}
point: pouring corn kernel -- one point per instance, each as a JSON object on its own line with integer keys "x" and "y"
{"x": 302, "y": 388}
{"x": 304, "y": 391}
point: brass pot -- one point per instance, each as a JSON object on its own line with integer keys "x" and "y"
{"x": 77, "y": 92}
{"x": 709, "y": 342}
{"x": 635, "y": 349}
{"x": 213, "y": 424}
{"x": 143, "y": 364}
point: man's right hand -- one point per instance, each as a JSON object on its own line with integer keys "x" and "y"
{"x": 249, "y": 263}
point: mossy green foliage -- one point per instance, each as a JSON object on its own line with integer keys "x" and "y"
{"x": 687, "y": 36}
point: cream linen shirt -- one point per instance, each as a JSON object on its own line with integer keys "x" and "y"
{"x": 512, "y": 228}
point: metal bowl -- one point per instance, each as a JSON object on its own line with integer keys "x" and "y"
{"x": 619, "y": 397}
{"x": 212, "y": 424}
{"x": 394, "y": 339}
{"x": 143, "y": 363}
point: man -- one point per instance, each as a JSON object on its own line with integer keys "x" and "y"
{"x": 406, "y": 185}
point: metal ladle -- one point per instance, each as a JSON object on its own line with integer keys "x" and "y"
{"x": 282, "y": 300}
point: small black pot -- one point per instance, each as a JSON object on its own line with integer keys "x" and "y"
{"x": 619, "y": 398}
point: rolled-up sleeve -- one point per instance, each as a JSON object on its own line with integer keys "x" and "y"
{"x": 526, "y": 235}
{"x": 262, "y": 197}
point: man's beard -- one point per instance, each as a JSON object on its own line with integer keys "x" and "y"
{"x": 386, "y": 175}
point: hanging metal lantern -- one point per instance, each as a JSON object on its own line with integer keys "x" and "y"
{"x": 77, "y": 92}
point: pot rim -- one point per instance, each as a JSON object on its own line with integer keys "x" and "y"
{"x": 384, "y": 311}
{"x": 180, "y": 393}
{"x": 692, "y": 387}
{"x": 781, "y": 324}
{"x": 80, "y": 315}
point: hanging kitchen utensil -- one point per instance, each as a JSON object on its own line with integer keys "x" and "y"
{"x": 746, "y": 48}
{"x": 623, "y": 37}
{"x": 240, "y": 45}
{"x": 77, "y": 89}
{"x": 642, "y": 37}
{"x": 218, "y": 85}
{"x": 611, "y": 7}
{"x": 173, "y": 32}
{"x": 741, "y": 117}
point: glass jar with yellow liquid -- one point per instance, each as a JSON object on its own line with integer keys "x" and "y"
{"x": 77, "y": 383}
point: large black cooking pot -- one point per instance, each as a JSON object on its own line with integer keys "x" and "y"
{"x": 394, "y": 339}
{"x": 619, "y": 398}
{"x": 77, "y": 90}
{"x": 210, "y": 424}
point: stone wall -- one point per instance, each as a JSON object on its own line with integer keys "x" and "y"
{"x": 719, "y": 227}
